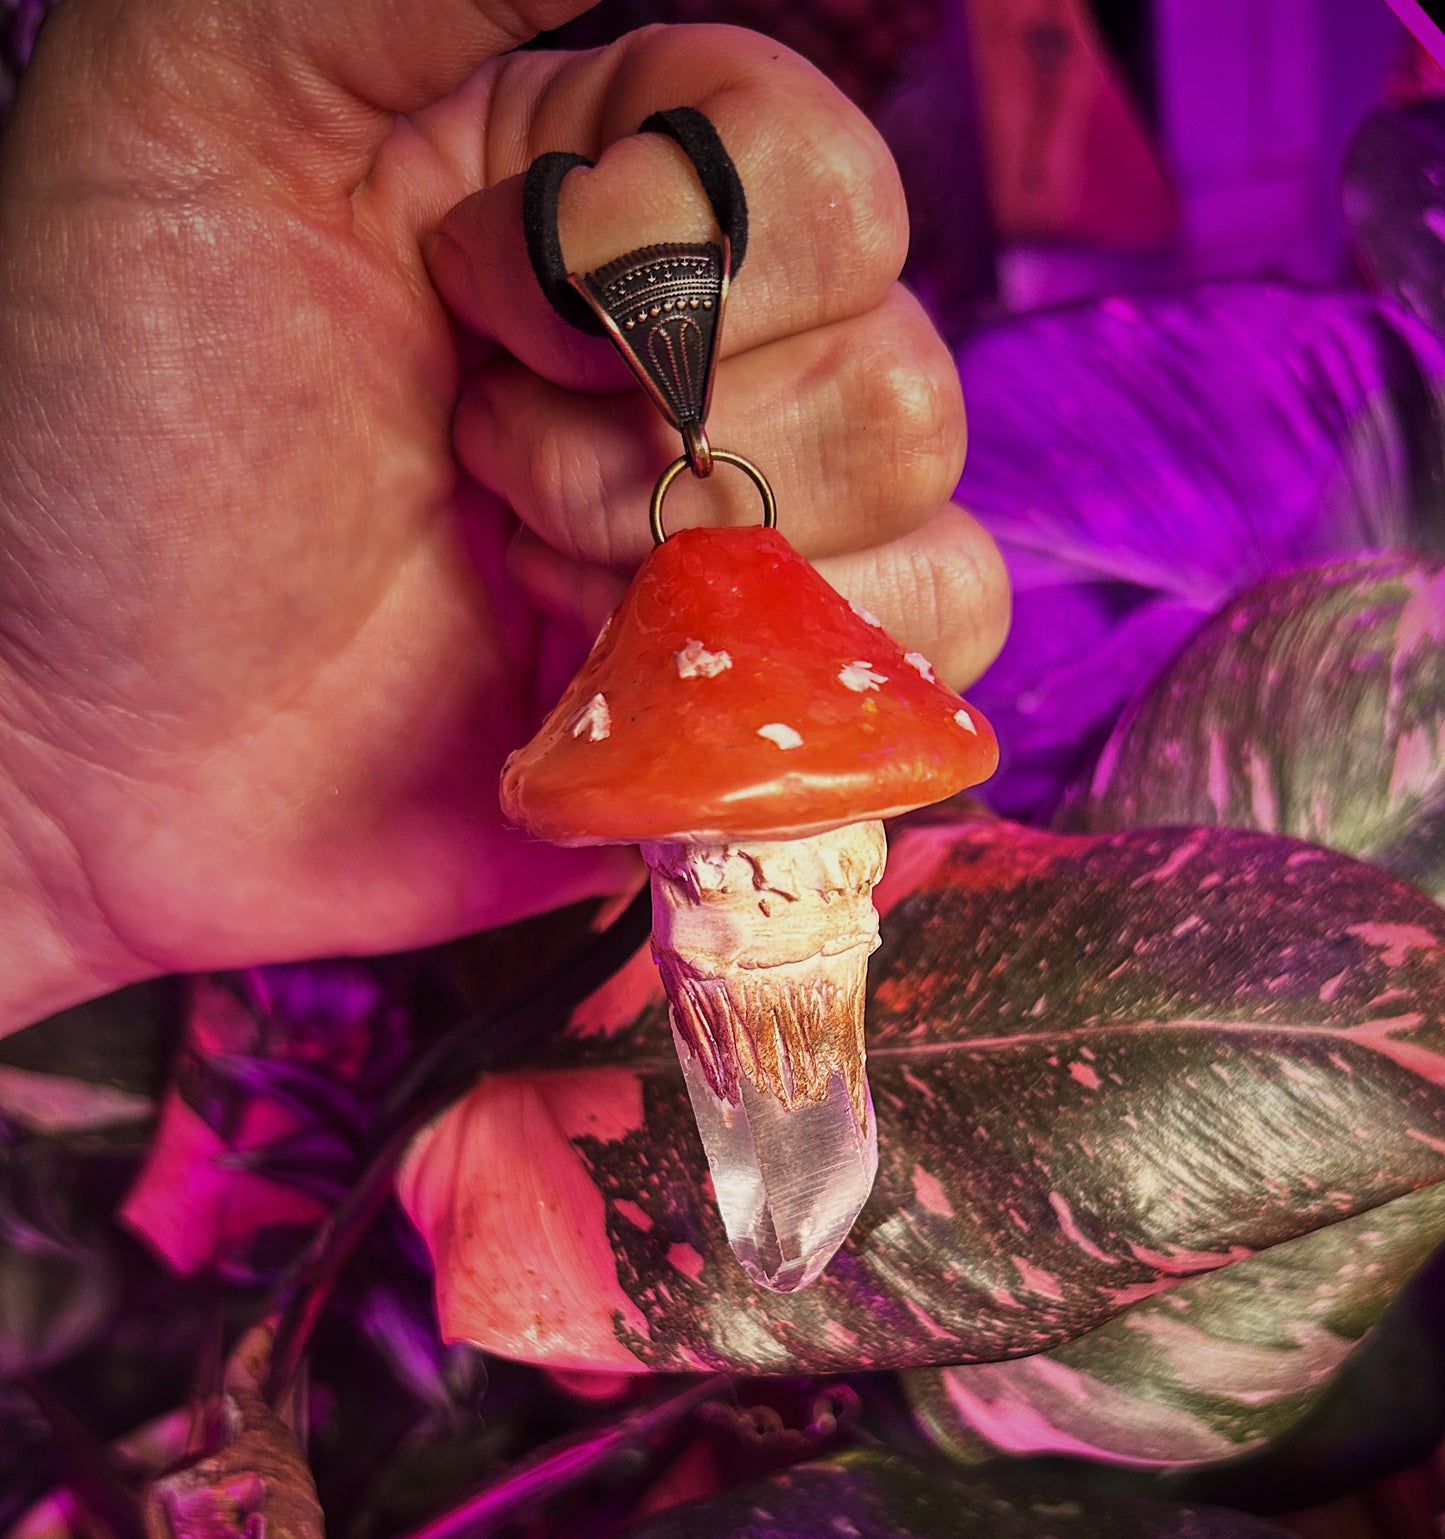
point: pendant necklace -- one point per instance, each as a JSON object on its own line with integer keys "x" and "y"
{"x": 750, "y": 729}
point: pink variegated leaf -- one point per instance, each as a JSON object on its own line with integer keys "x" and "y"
{"x": 1312, "y": 705}
{"x": 262, "y": 1126}
{"x": 1102, "y": 1066}
{"x": 1221, "y": 1366}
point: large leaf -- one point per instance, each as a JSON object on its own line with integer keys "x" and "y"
{"x": 1216, "y": 1368}
{"x": 1101, "y": 1066}
{"x": 865, "y": 1495}
{"x": 1140, "y": 461}
{"x": 1382, "y": 1412}
{"x": 1313, "y": 705}
{"x": 1390, "y": 196}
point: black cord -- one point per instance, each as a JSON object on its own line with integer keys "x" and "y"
{"x": 544, "y": 245}
{"x": 699, "y": 141}
{"x": 688, "y": 128}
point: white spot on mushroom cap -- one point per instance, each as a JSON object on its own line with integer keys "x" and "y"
{"x": 860, "y": 676}
{"x": 865, "y": 615}
{"x": 920, "y": 663}
{"x": 593, "y": 721}
{"x": 782, "y": 734}
{"x": 965, "y": 721}
{"x": 694, "y": 661}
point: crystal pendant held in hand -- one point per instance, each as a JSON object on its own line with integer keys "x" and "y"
{"x": 758, "y": 728}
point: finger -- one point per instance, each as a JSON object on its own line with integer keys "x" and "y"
{"x": 940, "y": 590}
{"x": 396, "y": 58}
{"x": 578, "y": 593}
{"x": 859, "y": 426}
{"x": 828, "y": 228}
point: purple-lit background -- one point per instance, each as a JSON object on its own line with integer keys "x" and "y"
{"x": 1191, "y": 257}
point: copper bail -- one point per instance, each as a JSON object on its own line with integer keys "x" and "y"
{"x": 663, "y": 308}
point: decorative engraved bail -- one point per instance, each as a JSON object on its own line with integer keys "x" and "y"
{"x": 663, "y": 308}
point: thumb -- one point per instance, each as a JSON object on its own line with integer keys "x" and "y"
{"x": 312, "y": 85}
{"x": 397, "y": 57}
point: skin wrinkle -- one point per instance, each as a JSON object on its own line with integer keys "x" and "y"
{"x": 187, "y": 150}
{"x": 259, "y": 721}
{"x": 36, "y": 835}
{"x": 525, "y": 116}
{"x": 139, "y": 784}
{"x": 561, "y": 486}
{"x": 926, "y": 576}
{"x": 934, "y": 591}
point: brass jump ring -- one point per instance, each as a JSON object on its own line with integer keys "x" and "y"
{"x": 674, "y": 470}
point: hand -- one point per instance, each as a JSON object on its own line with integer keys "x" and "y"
{"x": 262, "y": 649}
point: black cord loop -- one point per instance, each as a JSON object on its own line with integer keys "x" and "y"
{"x": 688, "y": 128}
{"x": 544, "y": 243}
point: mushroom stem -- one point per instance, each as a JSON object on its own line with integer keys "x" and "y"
{"x": 763, "y": 948}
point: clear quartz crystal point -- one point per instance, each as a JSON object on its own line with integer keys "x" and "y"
{"x": 763, "y": 949}
{"x": 789, "y": 1183}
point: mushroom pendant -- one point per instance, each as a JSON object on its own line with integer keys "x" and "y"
{"x": 750, "y": 729}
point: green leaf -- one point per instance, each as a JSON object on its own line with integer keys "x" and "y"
{"x": 122, "y": 1040}
{"x": 51, "y": 1305}
{"x": 1216, "y": 1368}
{"x": 1313, "y": 705}
{"x": 1101, "y": 1066}
{"x": 867, "y": 1495}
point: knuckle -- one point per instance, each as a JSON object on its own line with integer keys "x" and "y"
{"x": 912, "y": 393}
{"x": 859, "y": 201}
{"x": 966, "y": 586}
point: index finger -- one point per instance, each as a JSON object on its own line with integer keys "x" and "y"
{"x": 828, "y": 227}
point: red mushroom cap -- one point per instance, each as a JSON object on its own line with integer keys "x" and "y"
{"x": 736, "y": 695}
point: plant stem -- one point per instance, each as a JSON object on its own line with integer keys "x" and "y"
{"x": 557, "y": 1470}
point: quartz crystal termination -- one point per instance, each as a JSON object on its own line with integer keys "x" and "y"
{"x": 764, "y": 953}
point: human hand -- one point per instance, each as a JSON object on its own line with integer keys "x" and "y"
{"x": 262, "y": 649}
